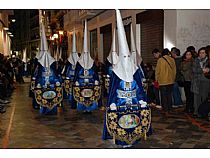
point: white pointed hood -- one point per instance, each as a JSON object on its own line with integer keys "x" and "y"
{"x": 56, "y": 54}
{"x": 60, "y": 54}
{"x": 85, "y": 59}
{"x": 45, "y": 58}
{"x": 39, "y": 52}
{"x": 125, "y": 67}
{"x": 24, "y": 56}
{"x": 73, "y": 57}
{"x": 134, "y": 53}
{"x": 113, "y": 57}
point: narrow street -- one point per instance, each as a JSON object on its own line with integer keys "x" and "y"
{"x": 23, "y": 127}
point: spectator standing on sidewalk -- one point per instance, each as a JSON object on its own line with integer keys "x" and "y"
{"x": 165, "y": 74}
{"x": 150, "y": 77}
{"x": 179, "y": 81}
{"x": 186, "y": 70}
{"x": 156, "y": 54}
{"x": 200, "y": 84}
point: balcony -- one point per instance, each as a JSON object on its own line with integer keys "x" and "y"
{"x": 55, "y": 15}
{"x": 90, "y": 13}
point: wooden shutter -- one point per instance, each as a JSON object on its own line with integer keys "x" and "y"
{"x": 151, "y": 22}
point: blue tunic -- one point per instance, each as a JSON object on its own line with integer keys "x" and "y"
{"x": 129, "y": 119}
{"x": 108, "y": 67}
{"x": 40, "y": 75}
{"x": 34, "y": 71}
{"x": 86, "y": 78}
{"x": 58, "y": 67}
{"x": 108, "y": 72}
{"x": 70, "y": 73}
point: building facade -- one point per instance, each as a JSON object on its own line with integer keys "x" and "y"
{"x": 5, "y": 34}
{"x": 152, "y": 29}
{"x": 147, "y": 26}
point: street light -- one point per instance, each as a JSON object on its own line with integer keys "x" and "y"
{"x": 9, "y": 33}
{"x": 13, "y": 20}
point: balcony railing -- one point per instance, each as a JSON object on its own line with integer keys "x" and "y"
{"x": 88, "y": 13}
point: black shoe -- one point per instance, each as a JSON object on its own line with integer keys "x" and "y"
{"x": 186, "y": 111}
{"x": 2, "y": 110}
{"x": 4, "y": 101}
{"x": 87, "y": 112}
{"x": 195, "y": 116}
{"x": 208, "y": 118}
{"x": 191, "y": 111}
{"x": 199, "y": 116}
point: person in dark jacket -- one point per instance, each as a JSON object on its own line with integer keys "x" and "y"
{"x": 186, "y": 70}
{"x": 177, "y": 100}
{"x": 200, "y": 84}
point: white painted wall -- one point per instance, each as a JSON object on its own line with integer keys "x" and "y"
{"x": 193, "y": 28}
{"x": 183, "y": 28}
{"x": 170, "y": 26}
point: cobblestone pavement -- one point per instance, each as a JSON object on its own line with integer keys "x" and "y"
{"x": 23, "y": 127}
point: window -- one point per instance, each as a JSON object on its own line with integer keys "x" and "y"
{"x": 93, "y": 43}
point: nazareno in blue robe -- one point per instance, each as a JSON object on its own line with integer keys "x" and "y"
{"x": 34, "y": 71}
{"x": 58, "y": 67}
{"x": 41, "y": 79}
{"x": 108, "y": 67}
{"x": 70, "y": 73}
{"x": 80, "y": 78}
{"x": 116, "y": 85}
{"x": 108, "y": 72}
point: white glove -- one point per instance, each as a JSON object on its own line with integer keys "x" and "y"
{"x": 96, "y": 82}
{"x": 38, "y": 85}
{"x": 143, "y": 103}
{"x": 113, "y": 106}
{"x": 77, "y": 83}
{"x": 86, "y": 80}
{"x": 57, "y": 84}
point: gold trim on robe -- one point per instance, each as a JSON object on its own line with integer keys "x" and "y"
{"x": 51, "y": 101}
{"x": 122, "y": 134}
{"x": 86, "y": 95}
{"x": 68, "y": 86}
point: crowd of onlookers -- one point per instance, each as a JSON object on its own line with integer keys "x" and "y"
{"x": 11, "y": 70}
{"x": 173, "y": 72}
